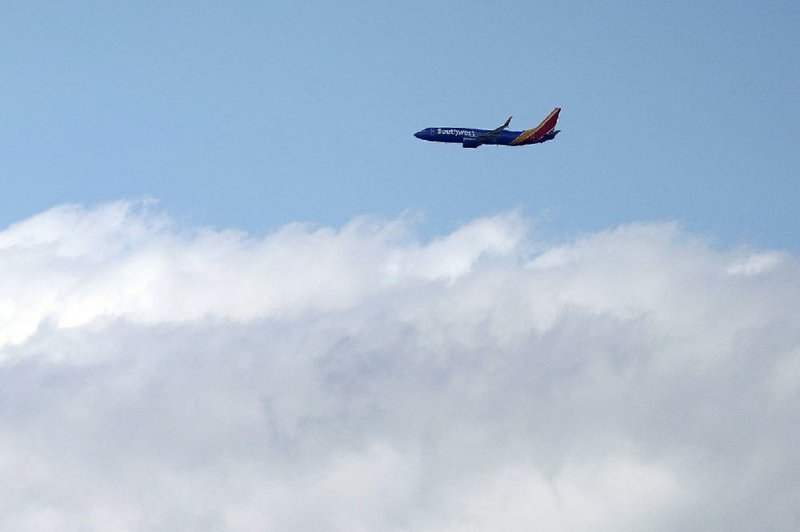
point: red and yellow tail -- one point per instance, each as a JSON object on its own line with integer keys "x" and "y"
{"x": 529, "y": 136}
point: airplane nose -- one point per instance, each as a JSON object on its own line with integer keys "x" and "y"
{"x": 419, "y": 134}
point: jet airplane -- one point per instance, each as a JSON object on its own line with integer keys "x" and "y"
{"x": 472, "y": 138}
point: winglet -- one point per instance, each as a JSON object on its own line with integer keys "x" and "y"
{"x": 507, "y": 122}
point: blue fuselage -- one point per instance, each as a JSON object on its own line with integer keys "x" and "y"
{"x": 465, "y": 136}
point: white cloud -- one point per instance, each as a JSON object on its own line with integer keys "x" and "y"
{"x": 154, "y": 377}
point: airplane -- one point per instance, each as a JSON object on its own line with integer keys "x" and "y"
{"x": 472, "y": 138}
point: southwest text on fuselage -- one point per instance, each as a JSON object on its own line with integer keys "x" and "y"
{"x": 459, "y": 132}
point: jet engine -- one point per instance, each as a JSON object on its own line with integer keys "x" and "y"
{"x": 470, "y": 142}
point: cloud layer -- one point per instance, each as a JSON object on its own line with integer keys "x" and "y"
{"x": 157, "y": 377}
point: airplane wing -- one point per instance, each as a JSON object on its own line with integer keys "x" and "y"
{"x": 492, "y": 133}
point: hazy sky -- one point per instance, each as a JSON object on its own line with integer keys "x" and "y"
{"x": 237, "y": 294}
{"x": 254, "y": 114}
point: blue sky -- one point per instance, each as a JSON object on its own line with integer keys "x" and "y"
{"x": 255, "y": 114}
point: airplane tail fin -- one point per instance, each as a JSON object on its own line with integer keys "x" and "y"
{"x": 529, "y": 136}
